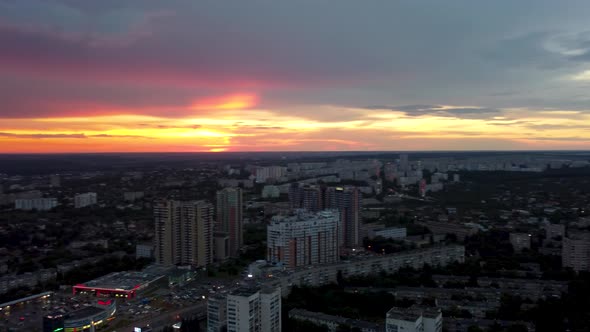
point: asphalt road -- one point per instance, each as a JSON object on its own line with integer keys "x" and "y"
{"x": 167, "y": 318}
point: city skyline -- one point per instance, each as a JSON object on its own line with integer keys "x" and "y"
{"x": 124, "y": 76}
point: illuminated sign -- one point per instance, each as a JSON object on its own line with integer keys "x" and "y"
{"x": 137, "y": 329}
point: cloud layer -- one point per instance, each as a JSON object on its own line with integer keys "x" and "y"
{"x": 214, "y": 75}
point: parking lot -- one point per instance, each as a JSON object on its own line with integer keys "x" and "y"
{"x": 28, "y": 316}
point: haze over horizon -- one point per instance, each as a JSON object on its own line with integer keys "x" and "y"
{"x": 212, "y": 76}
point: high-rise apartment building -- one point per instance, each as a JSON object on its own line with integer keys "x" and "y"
{"x": 254, "y": 310}
{"x": 576, "y": 251}
{"x": 295, "y": 193}
{"x": 310, "y": 198}
{"x": 230, "y": 217}
{"x": 184, "y": 232}
{"x": 84, "y": 200}
{"x": 348, "y": 202}
{"x": 404, "y": 164}
{"x": 304, "y": 239}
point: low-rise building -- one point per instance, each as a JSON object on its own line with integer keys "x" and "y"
{"x": 84, "y": 200}
{"x": 333, "y": 322}
{"x": 365, "y": 265}
{"x": 520, "y": 241}
{"x": 388, "y": 233}
{"x": 131, "y": 196}
{"x": 414, "y": 319}
{"x": 39, "y": 204}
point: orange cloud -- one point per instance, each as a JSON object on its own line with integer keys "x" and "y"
{"x": 227, "y": 102}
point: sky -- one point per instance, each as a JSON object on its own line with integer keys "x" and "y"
{"x": 305, "y": 75}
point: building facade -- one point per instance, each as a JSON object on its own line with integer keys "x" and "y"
{"x": 144, "y": 250}
{"x": 576, "y": 251}
{"x": 216, "y": 313}
{"x": 84, "y": 200}
{"x": 254, "y": 310}
{"x": 39, "y": 204}
{"x": 520, "y": 241}
{"x": 304, "y": 239}
{"x": 268, "y": 173}
{"x": 414, "y": 319}
{"x": 230, "y": 217}
{"x": 183, "y": 232}
{"x": 372, "y": 265}
{"x": 348, "y": 202}
{"x": 388, "y": 233}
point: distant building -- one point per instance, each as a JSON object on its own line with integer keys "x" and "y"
{"x": 461, "y": 231}
{"x": 271, "y": 191}
{"x": 333, "y": 322}
{"x": 304, "y": 239}
{"x": 184, "y": 232}
{"x": 554, "y": 230}
{"x": 413, "y": 319}
{"x": 270, "y": 173}
{"x": 221, "y": 246}
{"x": 306, "y": 197}
{"x": 404, "y": 164}
{"x": 312, "y": 199}
{"x": 39, "y": 204}
{"x": 55, "y": 180}
{"x": 84, "y": 200}
{"x": 254, "y": 310}
{"x": 230, "y": 217}
{"x": 520, "y": 241}
{"x": 145, "y": 250}
{"x": 348, "y": 202}
{"x": 103, "y": 243}
{"x": 388, "y": 233}
{"x": 576, "y": 251}
{"x": 132, "y": 196}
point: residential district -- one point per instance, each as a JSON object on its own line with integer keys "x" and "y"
{"x": 296, "y": 242}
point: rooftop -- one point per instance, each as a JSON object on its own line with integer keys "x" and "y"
{"x": 129, "y": 280}
{"x": 330, "y": 318}
{"x": 405, "y": 314}
{"x": 245, "y": 291}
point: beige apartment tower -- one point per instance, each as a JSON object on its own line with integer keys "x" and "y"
{"x": 183, "y": 232}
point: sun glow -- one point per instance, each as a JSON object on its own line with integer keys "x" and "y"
{"x": 228, "y": 102}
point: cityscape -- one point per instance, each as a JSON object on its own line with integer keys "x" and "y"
{"x": 294, "y": 166}
{"x": 296, "y": 242}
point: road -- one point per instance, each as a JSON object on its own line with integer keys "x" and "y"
{"x": 167, "y": 318}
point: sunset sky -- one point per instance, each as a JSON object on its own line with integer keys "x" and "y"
{"x": 188, "y": 75}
